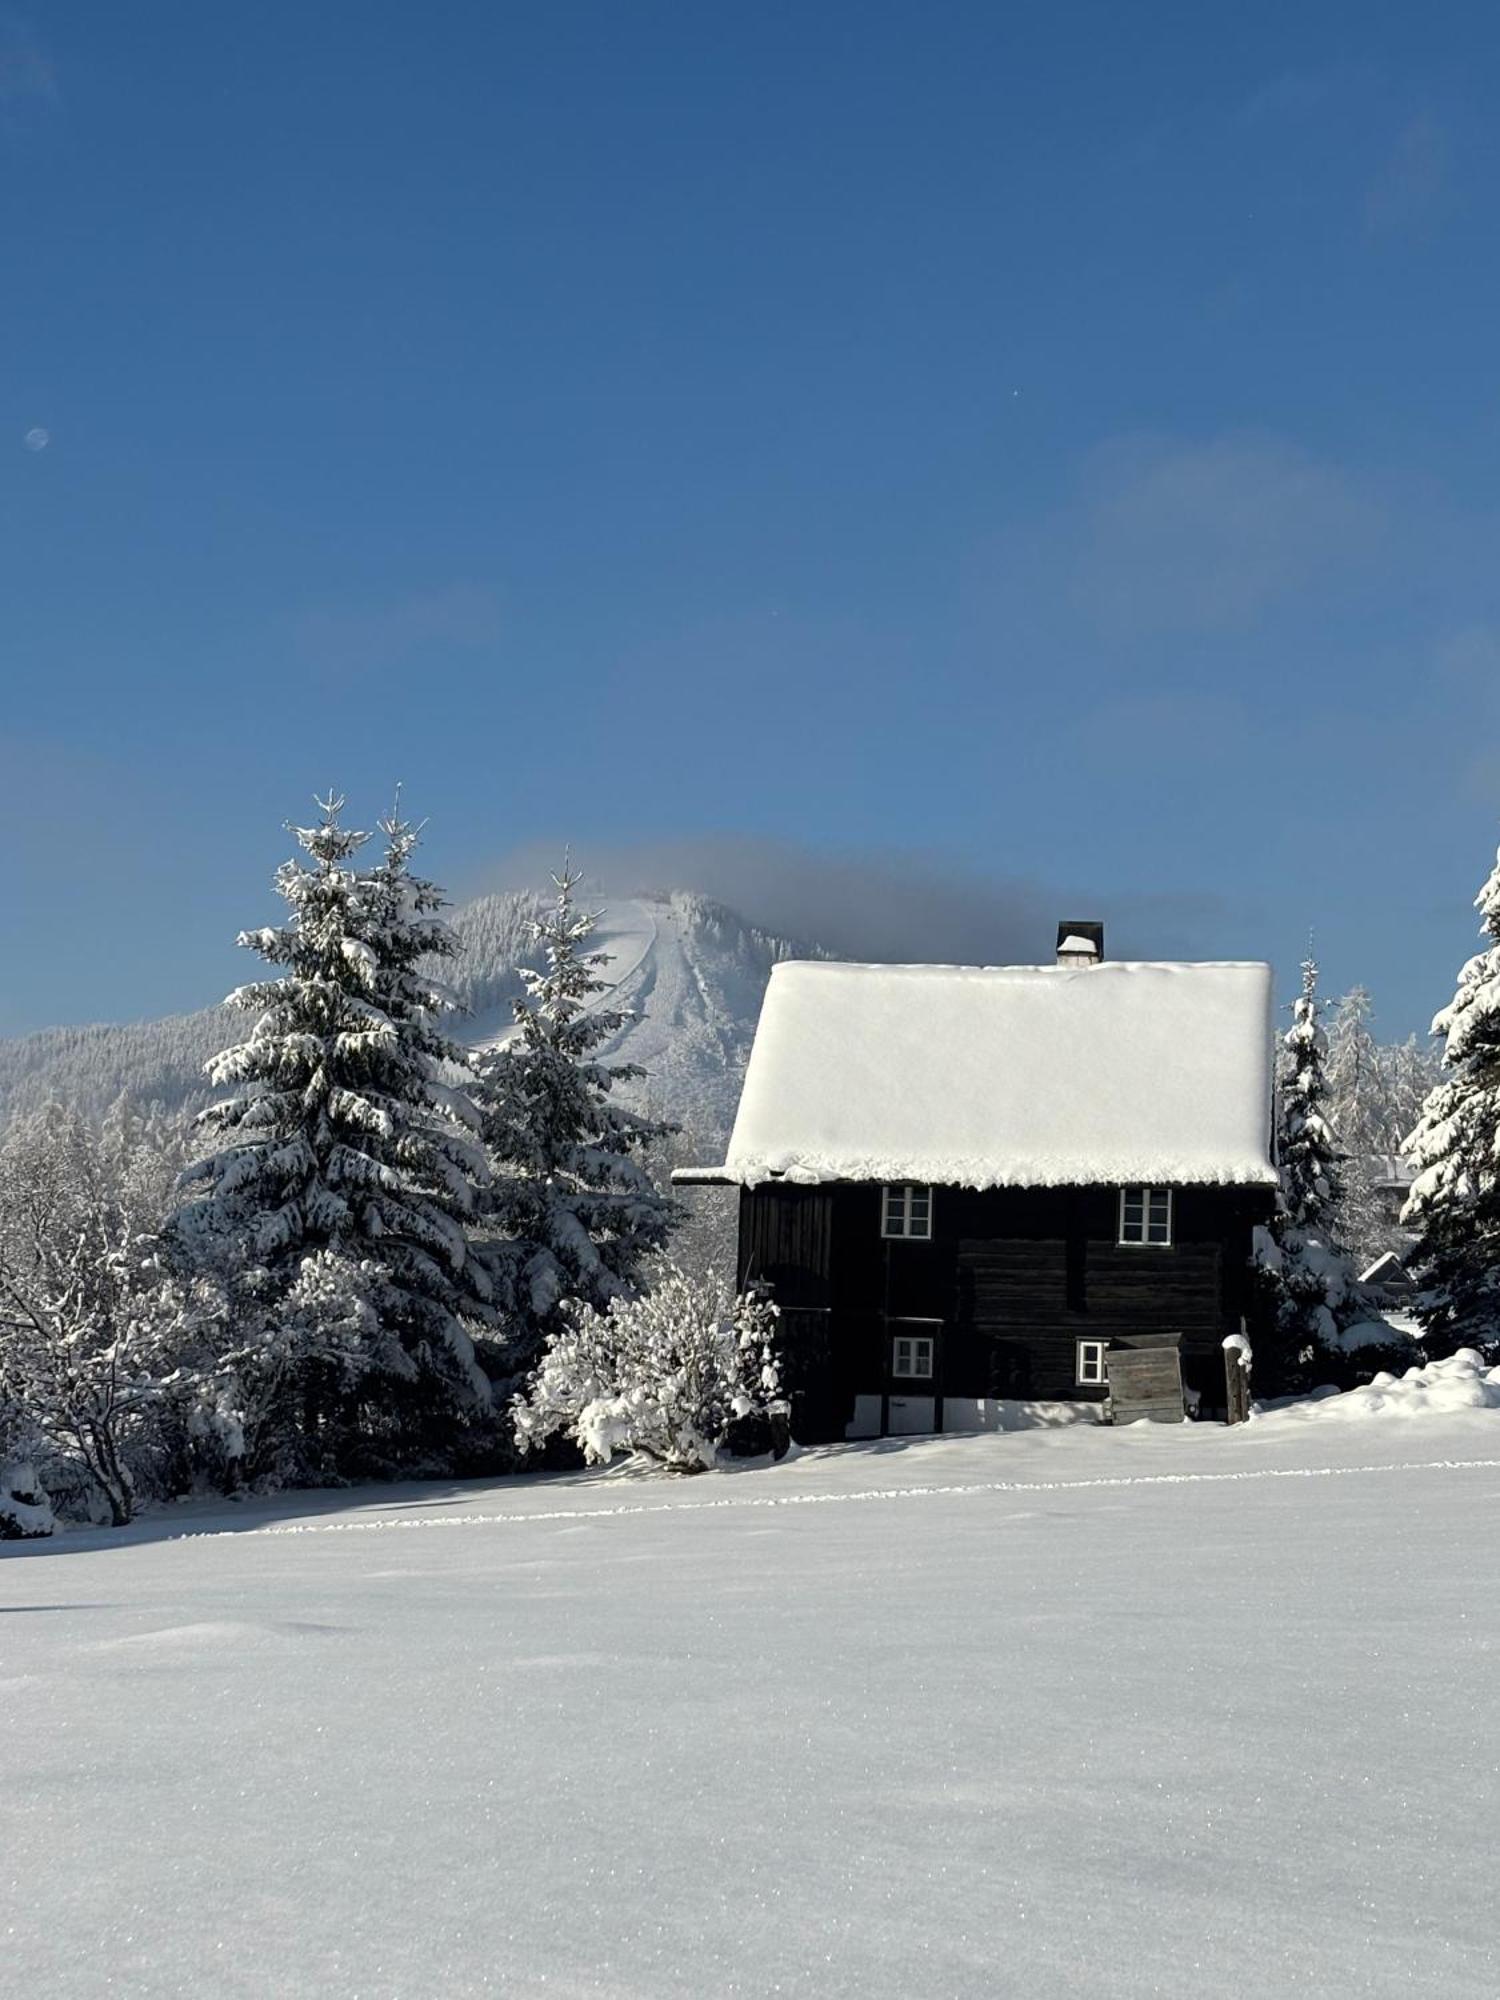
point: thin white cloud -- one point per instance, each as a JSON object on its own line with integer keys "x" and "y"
{"x": 1294, "y": 94}
{"x": 1163, "y": 725}
{"x": 347, "y": 640}
{"x": 1466, "y": 668}
{"x": 1206, "y": 537}
{"x": 1412, "y": 180}
{"x": 885, "y": 906}
{"x": 28, "y": 81}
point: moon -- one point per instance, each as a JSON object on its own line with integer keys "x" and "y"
{"x": 37, "y": 439}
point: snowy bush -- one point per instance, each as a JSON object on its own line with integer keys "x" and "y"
{"x": 25, "y": 1510}
{"x": 1366, "y": 1348}
{"x": 95, "y": 1324}
{"x": 666, "y": 1375}
{"x": 1461, "y": 1381}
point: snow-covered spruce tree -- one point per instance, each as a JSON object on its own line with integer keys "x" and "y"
{"x": 1455, "y": 1199}
{"x": 245, "y": 1422}
{"x": 666, "y": 1374}
{"x": 571, "y": 1213}
{"x": 345, "y": 1133}
{"x": 1304, "y": 1258}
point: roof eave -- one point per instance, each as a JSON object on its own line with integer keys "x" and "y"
{"x": 753, "y": 1174}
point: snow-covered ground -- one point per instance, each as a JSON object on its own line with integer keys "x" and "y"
{"x": 1169, "y": 1711}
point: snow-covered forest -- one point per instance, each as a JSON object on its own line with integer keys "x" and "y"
{"x": 373, "y": 1240}
{"x": 415, "y": 1219}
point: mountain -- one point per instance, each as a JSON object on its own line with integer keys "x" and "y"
{"x": 690, "y": 971}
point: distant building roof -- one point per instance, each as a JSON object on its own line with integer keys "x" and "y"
{"x": 1009, "y": 1076}
{"x": 1387, "y": 1269}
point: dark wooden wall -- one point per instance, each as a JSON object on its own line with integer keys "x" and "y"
{"x": 1015, "y": 1276}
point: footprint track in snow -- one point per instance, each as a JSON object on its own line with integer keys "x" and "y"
{"x": 520, "y": 1517}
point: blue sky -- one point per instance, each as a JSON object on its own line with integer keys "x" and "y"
{"x": 1048, "y": 446}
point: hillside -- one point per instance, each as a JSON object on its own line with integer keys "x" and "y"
{"x": 691, "y": 971}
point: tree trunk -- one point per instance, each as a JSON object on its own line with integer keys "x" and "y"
{"x": 103, "y": 1462}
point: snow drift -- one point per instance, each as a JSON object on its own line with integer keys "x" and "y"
{"x": 1441, "y": 1388}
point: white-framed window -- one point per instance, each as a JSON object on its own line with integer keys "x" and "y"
{"x": 1093, "y": 1369}
{"x": 911, "y": 1357}
{"x": 906, "y": 1210}
{"x": 1146, "y": 1216}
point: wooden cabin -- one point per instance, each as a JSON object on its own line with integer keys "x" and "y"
{"x": 969, "y": 1185}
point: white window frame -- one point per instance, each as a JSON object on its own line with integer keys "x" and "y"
{"x": 905, "y": 1230}
{"x": 1098, "y": 1359}
{"x": 914, "y": 1341}
{"x": 1149, "y": 1197}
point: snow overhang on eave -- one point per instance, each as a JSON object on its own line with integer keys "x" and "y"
{"x": 753, "y": 1174}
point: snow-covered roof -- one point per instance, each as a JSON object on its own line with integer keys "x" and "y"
{"x": 1387, "y": 1269}
{"x": 1009, "y": 1076}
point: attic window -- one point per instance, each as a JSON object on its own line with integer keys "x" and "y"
{"x": 1146, "y": 1216}
{"x": 906, "y": 1210}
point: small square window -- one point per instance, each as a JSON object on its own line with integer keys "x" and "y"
{"x": 1146, "y": 1216}
{"x": 911, "y": 1356}
{"x": 1093, "y": 1370}
{"x": 906, "y": 1210}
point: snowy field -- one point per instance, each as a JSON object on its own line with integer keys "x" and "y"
{"x": 1166, "y": 1711}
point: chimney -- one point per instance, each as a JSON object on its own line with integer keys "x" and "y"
{"x": 1080, "y": 943}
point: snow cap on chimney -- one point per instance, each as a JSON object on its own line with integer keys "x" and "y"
{"x": 1080, "y": 942}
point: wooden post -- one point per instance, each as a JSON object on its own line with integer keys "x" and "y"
{"x": 1237, "y": 1377}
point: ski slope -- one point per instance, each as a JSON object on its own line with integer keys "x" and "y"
{"x": 624, "y": 939}
{"x": 690, "y": 976}
{"x": 1169, "y": 1711}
